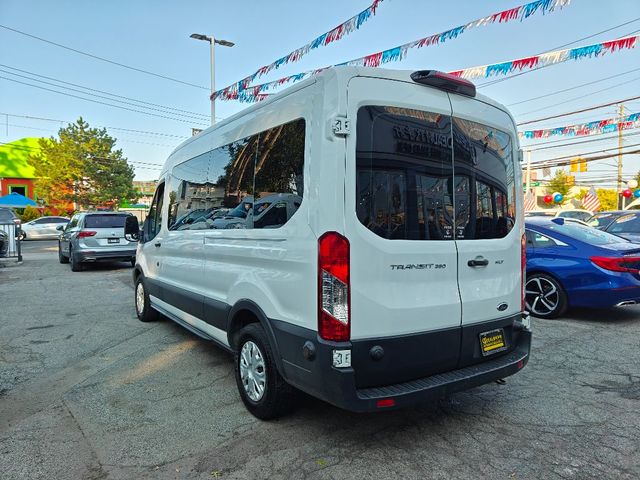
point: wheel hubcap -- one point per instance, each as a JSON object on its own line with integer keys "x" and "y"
{"x": 542, "y": 296}
{"x": 140, "y": 297}
{"x": 252, "y": 371}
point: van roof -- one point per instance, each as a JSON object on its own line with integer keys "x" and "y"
{"x": 342, "y": 75}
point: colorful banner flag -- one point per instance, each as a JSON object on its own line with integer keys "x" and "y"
{"x": 608, "y": 125}
{"x": 485, "y": 71}
{"x": 337, "y": 33}
{"x": 521, "y": 12}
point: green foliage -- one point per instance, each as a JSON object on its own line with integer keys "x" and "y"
{"x": 608, "y": 199}
{"x": 559, "y": 183}
{"x": 82, "y": 166}
{"x": 30, "y": 213}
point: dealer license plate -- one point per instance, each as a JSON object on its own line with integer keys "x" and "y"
{"x": 113, "y": 240}
{"x": 492, "y": 342}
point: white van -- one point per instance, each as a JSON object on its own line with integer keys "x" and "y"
{"x": 395, "y": 279}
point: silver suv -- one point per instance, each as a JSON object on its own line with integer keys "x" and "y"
{"x": 94, "y": 237}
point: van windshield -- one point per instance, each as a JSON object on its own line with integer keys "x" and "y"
{"x": 406, "y": 188}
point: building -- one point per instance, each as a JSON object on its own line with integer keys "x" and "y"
{"x": 145, "y": 191}
{"x": 16, "y": 174}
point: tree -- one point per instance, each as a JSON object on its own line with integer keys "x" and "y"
{"x": 559, "y": 183}
{"x": 82, "y": 166}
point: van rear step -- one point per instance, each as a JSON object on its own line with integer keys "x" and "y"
{"x": 455, "y": 380}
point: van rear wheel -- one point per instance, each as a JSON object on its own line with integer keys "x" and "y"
{"x": 263, "y": 391}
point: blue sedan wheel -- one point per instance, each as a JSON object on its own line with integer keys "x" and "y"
{"x": 545, "y": 296}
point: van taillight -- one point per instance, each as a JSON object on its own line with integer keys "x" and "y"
{"x": 86, "y": 233}
{"x": 523, "y": 271}
{"x": 334, "y": 307}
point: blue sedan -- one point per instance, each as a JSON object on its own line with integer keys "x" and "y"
{"x": 572, "y": 265}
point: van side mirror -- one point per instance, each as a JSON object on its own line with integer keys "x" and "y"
{"x": 131, "y": 228}
{"x": 60, "y": 228}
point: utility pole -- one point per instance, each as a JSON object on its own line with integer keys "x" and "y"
{"x": 620, "y": 145}
{"x": 528, "y": 182}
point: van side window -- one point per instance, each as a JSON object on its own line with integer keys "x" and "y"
{"x": 236, "y": 185}
{"x": 484, "y": 155}
{"x": 154, "y": 219}
{"x": 278, "y": 179}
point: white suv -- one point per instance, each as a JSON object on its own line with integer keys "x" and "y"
{"x": 391, "y": 271}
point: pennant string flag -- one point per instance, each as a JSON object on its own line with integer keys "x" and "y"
{"x": 485, "y": 71}
{"x": 337, "y": 33}
{"x": 395, "y": 54}
{"x": 608, "y": 125}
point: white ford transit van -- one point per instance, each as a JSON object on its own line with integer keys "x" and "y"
{"x": 386, "y": 268}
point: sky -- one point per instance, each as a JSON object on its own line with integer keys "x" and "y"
{"x": 154, "y": 36}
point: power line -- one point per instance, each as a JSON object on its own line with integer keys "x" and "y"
{"x": 577, "y": 111}
{"x": 102, "y": 103}
{"x": 119, "y": 139}
{"x": 580, "y": 97}
{"x": 554, "y": 162}
{"x": 573, "y": 88}
{"x": 193, "y": 115}
{"x": 96, "y": 57}
{"x": 96, "y": 90}
{"x": 590, "y": 153}
{"x": 145, "y": 132}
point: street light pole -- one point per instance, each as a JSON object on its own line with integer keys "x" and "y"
{"x": 212, "y": 45}
{"x": 213, "y": 79}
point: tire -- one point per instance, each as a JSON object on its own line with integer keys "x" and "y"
{"x": 143, "y": 307}
{"x": 255, "y": 354}
{"x": 545, "y": 296}
{"x": 61, "y": 257}
{"x": 76, "y": 266}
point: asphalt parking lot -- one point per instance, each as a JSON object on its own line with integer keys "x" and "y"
{"x": 88, "y": 391}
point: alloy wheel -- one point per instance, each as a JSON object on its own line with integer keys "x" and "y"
{"x": 542, "y": 296}
{"x": 252, "y": 371}
{"x": 140, "y": 298}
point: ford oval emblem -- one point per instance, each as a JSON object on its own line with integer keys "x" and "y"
{"x": 503, "y": 306}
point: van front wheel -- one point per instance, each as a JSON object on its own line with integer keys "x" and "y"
{"x": 143, "y": 307}
{"x": 263, "y": 391}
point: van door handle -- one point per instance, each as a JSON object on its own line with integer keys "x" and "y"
{"x": 478, "y": 262}
{"x": 157, "y": 244}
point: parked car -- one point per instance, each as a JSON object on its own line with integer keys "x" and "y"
{"x": 42, "y": 228}
{"x": 95, "y": 237}
{"x": 626, "y": 226}
{"x": 4, "y": 244}
{"x": 602, "y": 220}
{"x": 572, "y": 265}
{"x": 8, "y": 215}
{"x": 576, "y": 213}
{"x": 377, "y": 291}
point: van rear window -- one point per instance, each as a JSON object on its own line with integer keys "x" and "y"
{"x": 423, "y": 176}
{"x": 104, "y": 221}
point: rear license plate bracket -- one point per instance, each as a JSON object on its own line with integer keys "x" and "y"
{"x": 493, "y": 341}
{"x": 113, "y": 240}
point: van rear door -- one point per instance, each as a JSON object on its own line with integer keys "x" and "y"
{"x": 399, "y": 222}
{"x": 487, "y": 224}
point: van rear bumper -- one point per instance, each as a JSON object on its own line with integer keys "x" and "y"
{"x": 338, "y": 386}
